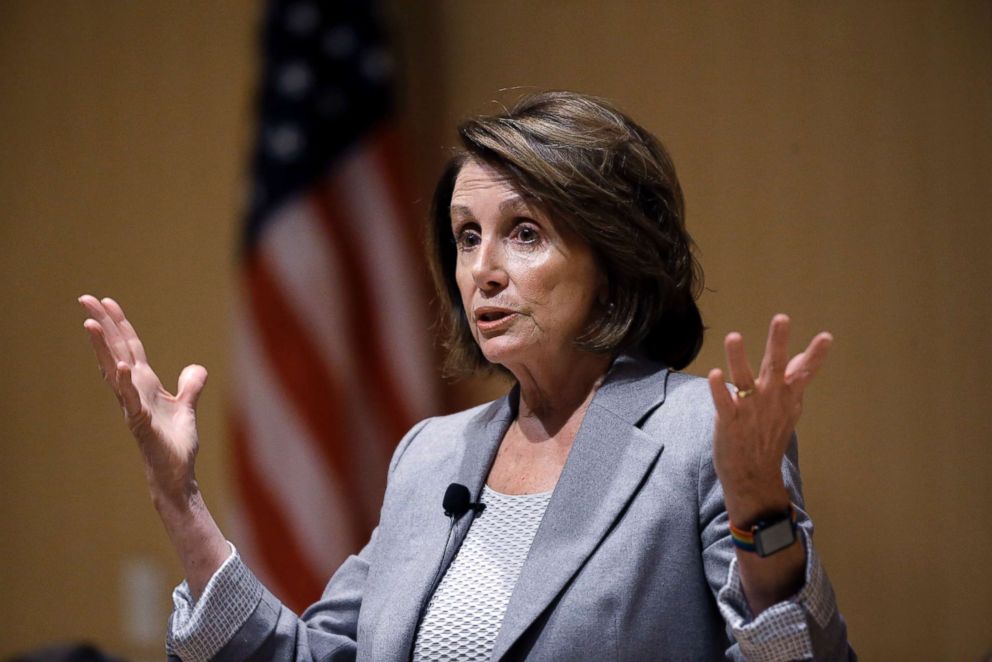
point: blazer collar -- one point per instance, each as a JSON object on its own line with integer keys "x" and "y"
{"x": 633, "y": 387}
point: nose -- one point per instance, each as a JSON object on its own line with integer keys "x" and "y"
{"x": 488, "y": 269}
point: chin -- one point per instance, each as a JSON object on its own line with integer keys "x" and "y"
{"x": 501, "y": 350}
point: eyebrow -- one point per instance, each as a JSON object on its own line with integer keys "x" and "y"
{"x": 516, "y": 203}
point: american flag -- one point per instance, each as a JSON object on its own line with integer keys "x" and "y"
{"x": 332, "y": 359}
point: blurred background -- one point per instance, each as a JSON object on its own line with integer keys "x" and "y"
{"x": 837, "y": 165}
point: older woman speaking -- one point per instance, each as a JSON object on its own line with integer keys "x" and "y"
{"x": 607, "y": 507}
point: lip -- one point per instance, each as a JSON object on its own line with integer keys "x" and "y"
{"x": 505, "y": 319}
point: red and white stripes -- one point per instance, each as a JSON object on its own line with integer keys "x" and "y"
{"x": 332, "y": 364}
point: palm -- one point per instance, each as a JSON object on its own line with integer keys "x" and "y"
{"x": 170, "y": 424}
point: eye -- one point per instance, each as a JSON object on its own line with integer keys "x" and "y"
{"x": 466, "y": 238}
{"x": 526, "y": 233}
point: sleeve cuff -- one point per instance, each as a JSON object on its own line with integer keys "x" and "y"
{"x": 198, "y": 630}
{"x": 780, "y": 632}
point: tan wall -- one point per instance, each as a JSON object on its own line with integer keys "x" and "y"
{"x": 837, "y": 160}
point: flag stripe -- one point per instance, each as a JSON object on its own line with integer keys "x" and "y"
{"x": 364, "y": 335}
{"x": 307, "y": 273}
{"x": 287, "y": 458}
{"x": 423, "y": 384}
{"x": 385, "y": 149}
{"x": 297, "y": 585}
{"x": 375, "y": 226}
{"x": 313, "y": 393}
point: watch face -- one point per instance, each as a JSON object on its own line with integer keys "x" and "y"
{"x": 774, "y": 537}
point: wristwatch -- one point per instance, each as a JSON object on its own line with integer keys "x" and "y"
{"x": 767, "y": 536}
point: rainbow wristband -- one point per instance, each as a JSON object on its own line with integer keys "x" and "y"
{"x": 745, "y": 539}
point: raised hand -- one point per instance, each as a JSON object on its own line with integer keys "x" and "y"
{"x": 165, "y": 427}
{"x": 755, "y": 422}
{"x": 163, "y": 424}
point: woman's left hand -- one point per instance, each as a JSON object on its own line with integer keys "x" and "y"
{"x": 755, "y": 422}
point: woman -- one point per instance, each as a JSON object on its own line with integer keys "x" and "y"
{"x": 602, "y": 490}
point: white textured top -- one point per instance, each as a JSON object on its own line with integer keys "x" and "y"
{"x": 467, "y": 608}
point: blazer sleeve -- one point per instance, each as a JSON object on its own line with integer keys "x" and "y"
{"x": 807, "y": 625}
{"x": 237, "y": 618}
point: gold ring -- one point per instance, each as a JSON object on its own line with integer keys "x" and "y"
{"x": 744, "y": 392}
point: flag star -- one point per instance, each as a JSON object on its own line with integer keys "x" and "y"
{"x": 340, "y": 42}
{"x": 284, "y": 142}
{"x": 295, "y": 79}
{"x": 302, "y": 18}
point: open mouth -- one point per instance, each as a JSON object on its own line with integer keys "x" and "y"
{"x": 493, "y": 320}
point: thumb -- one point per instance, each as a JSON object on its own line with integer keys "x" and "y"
{"x": 191, "y": 382}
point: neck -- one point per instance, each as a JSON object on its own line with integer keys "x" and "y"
{"x": 553, "y": 392}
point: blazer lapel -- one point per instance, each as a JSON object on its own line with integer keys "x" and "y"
{"x": 607, "y": 463}
{"x": 480, "y": 441}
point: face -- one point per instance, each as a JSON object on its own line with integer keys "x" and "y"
{"x": 528, "y": 286}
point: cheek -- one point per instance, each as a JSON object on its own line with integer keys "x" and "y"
{"x": 573, "y": 303}
{"x": 560, "y": 290}
{"x": 465, "y": 284}
{"x": 536, "y": 279}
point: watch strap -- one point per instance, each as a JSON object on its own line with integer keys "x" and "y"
{"x": 747, "y": 539}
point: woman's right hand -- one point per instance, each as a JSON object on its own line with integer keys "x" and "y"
{"x": 163, "y": 424}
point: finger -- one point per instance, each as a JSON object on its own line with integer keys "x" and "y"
{"x": 740, "y": 370}
{"x": 128, "y": 333}
{"x": 191, "y": 382}
{"x": 113, "y": 309}
{"x": 133, "y": 342}
{"x": 116, "y": 315}
{"x": 108, "y": 366}
{"x": 96, "y": 310}
{"x": 776, "y": 356}
{"x": 115, "y": 343}
{"x": 722, "y": 399}
{"x": 803, "y": 367}
{"x": 130, "y": 399}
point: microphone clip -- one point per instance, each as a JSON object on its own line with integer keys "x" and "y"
{"x": 458, "y": 501}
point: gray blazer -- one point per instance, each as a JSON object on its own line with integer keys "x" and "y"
{"x": 626, "y": 564}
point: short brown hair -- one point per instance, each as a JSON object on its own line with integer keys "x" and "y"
{"x": 590, "y": 167}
